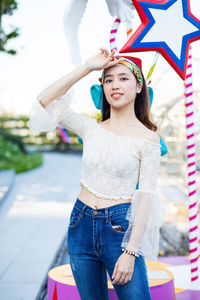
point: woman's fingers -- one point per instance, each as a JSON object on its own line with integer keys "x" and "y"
{"x": 117, "y": 277}
{"x": 113, "y": 52}
{"x": 118, "y": 60}
{"x": 121, "y": 278}
{"x": 130, "y": 276}
{"x": 109, "y": 56}
{"x": 114, "y": 271}
{"x": 114, "y": 62}
{"x": 106, "y": 59}
{"x": 103, "y": 49}
{"x": 124, "y": 270}
{"x": 105, "y": 52}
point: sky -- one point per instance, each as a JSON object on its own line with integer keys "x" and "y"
{"x": 43, "y": 55}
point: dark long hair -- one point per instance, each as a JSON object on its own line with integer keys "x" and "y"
{"x": 142, "y": 107}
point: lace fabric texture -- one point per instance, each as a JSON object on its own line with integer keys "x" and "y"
{"x": 111, "y": 168}
{"x": 145, "y": 214}
{"x": 58, "y": 112}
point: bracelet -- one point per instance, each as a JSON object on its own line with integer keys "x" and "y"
{"x": 130, "y": 252}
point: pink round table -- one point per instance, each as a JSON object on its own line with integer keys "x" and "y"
{"x": 61, "y": 284}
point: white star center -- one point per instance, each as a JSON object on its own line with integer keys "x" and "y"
{"x": 170, "y": 27}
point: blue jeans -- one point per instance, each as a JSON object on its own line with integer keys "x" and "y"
{"x": 94, "y": 247}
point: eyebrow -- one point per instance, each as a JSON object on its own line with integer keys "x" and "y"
{"x": 110, "y": 75}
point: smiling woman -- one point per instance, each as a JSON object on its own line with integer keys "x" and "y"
{"x": 126, "y": 81}
{"x": 120, "y": 83}
{"x": 113, "y": 225}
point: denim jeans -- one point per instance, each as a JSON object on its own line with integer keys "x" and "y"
{"x": 94, "y": 247}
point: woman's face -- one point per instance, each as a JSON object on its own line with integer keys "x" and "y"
{"x": 120, "y": 85}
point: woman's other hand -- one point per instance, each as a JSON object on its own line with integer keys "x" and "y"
{"x": 124, "y": 268}
{"x": 101, "y": 61}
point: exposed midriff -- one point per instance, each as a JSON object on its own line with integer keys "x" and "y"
{"x": 96, "y": 202}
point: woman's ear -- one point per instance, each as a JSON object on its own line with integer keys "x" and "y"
{"x": 139, "y": 87}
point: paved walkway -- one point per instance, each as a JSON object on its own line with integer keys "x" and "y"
{"x": 33, "y": 221}
{"x": 7, "y": 178}
{"x": 34, "y": 218}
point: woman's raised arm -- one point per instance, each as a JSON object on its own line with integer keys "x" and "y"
{"x": 62, "y": 85}
{"x": 52, "y": 106}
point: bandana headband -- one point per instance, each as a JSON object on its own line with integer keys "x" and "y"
{"x": 129, "y": 64}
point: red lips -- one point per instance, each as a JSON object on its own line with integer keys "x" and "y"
{"x": 116, "y": 93}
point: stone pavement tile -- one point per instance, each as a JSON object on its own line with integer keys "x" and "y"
{"x": 17, "y": 233}
{"x": 40, "y": 245}
{"x": 7, "y": 255}
{"x": 6, "y": 182}
{"x": 33, "y": 222}
{"x": 25, "y": 273}
{"x": 17, "y": 291}
{"x": 31, "y": 256}
{"x": 5, "y": 221}
{"x": 48, "y": 233}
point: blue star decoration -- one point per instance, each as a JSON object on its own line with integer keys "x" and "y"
{"x": 167, "y": 27}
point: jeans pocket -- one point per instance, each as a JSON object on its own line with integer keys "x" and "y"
{"x": 118, "y": 223}
{"x": 74, "y": 218}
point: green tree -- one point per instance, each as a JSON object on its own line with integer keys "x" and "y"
{"x": 7, "y": 7}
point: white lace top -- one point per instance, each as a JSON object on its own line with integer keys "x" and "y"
{"x": 111, "y": 167}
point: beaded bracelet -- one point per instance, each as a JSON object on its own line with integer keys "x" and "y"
{"x": 130, "y": 252}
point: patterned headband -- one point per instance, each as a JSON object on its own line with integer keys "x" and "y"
{"x": 131, "y": 65}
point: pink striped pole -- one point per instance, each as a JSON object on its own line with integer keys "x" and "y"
{"x": 113, "y": 34}
{"x": 129, "y": 32}
{"x": 191, "y": 165}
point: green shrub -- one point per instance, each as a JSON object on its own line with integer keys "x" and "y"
{"x": 11, "y": 157}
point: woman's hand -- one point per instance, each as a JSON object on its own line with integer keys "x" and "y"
{"x": 124, "y": 268}
{"x": 101, "y": 61}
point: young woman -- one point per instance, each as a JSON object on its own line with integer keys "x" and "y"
{"x": 113, "y": 225}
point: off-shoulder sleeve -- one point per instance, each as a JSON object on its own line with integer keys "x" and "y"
{"x": 58, "y": 112}
{"x": 146, "y": 212}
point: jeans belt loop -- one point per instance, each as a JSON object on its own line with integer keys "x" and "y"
{"x": 83, "y": 210}
{"x": 106, "y": 215}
